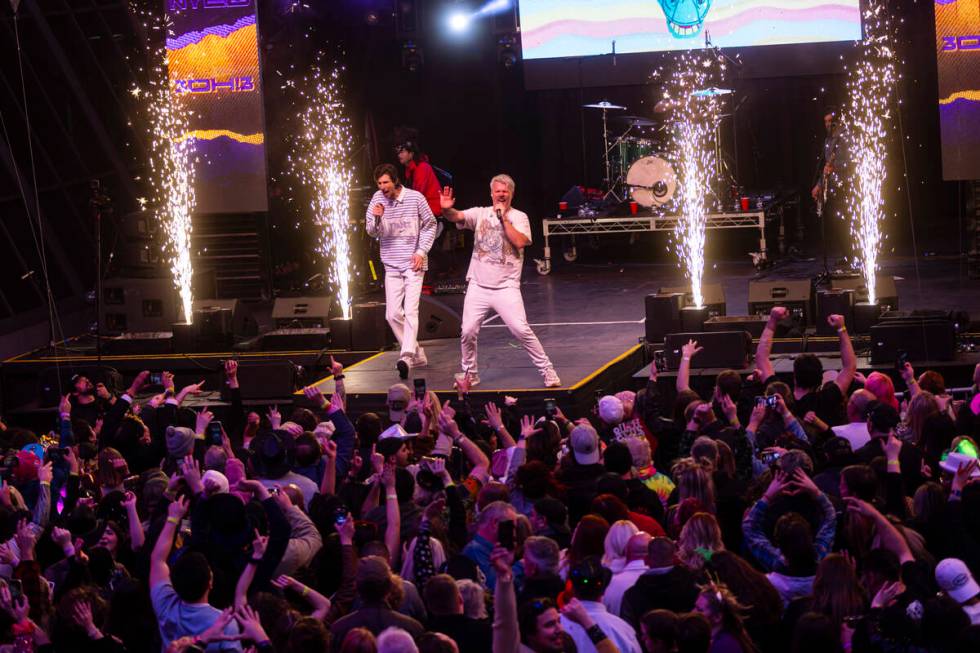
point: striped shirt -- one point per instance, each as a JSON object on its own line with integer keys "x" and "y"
{"x": 406, "y": 228}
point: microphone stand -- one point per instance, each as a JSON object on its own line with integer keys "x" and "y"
{"x": 98, "y": 201}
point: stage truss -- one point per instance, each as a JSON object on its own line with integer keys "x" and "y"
{"x": 639, "y": 224}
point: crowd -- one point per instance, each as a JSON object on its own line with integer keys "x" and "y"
{"x": 820, "y": 513}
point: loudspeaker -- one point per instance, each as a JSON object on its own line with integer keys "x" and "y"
{"x": 438, "y": 320}
{"x": 267, "y": 379}
{"x": 693, "y": 318}
{"x": 341, "y": 333}
{"x": 296, "y": 339}
{"x": 754, "y": 324}
{"x": 722, "y": 349}
{"x": 141, "y": 342}
{"x": 712, "y": 293}
{"x": 663, "y": 315}
{"x": 885, "y": 289}
{"x": 923, "y": 339}
{"x": 795, "y": 294}
{"x": 865, "y": 316}
{"x": 137, "y": 305}
{"x": 369, "y": 331}
{"x": 834, "y": 302}
{"x": 301, "y": 312}
{"x": 243, "y": 323}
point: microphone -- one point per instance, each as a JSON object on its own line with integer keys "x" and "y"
{"x": 500, "y": 216}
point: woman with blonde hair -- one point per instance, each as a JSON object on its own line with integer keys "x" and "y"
{"x": 694, "y": 481}
{"x": 726, "y": 616}
{"x": 921, "y": 408}
{"x": 699, "y": 539}
{"x": 616, "y": 540}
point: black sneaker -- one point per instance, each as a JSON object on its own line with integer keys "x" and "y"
{"x": 402, "y": 367}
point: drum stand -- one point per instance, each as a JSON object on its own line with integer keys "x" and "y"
{"x": 607, "y": 148}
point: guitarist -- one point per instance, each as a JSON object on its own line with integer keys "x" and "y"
{"x": 831, "y": 159}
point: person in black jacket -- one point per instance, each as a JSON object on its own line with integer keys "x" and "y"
{"x": 665, "y": 586}
{"x": 445, "y": 606}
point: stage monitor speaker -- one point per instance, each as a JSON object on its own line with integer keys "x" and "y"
{"x": 834, "y": 302}
{"x": 369, "y": 330}
{"x": 663, "y": 312}
{"x": 137, "y": 305}
{"x": 885, "y": 289}
{"x": 438, "y": 320}
{"x": 722, "y": 349}
{"x": 795, "y": 294}
{"x": 303, "y": 339}
{"x": 267, "y": 379}
{"x": 140, "y": 342}
{"x": 712, "y": 294}
{"x": 754, "y": 324}
{"x": 243, "y": 324}
{"x": 924, "y": 340}
{"x": 301, "y": 312}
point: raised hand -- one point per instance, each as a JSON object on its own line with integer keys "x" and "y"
{"x": 167, "y": 380}
{"x": 102, "y": 392}
{"x": 251, "y": 626}
{"x": 259, "y": 544}
{"x": 64, "y": 406}
{"x": 494, "y": 419}
{"x": 502, "y": 560}
{"x": 346, "y": 530}
{"x": 434, "y": 509}
{"x": 314, "y": 395}
{"x": 803, "y": 484}
{"x": 892, "y": 447}
{"x": 216, "y": 631}
{"x": 778, "y": 313}
{"x": 177, "y": 509}
{"x": 378, "y": 210}
{"x": 193, "y": 389}
{"x": 777, "y": 486}
{"x": 335, "y": 367}
{"x": 190, "y": 469}
{"x": 446, "y": 198}
{"x": 203, "y": 419}
{"x": 61, "y": 537}
{"x": 138, "y": 383}
{"x": 231, "y": 369}
{"x": 575, "y": 611}
{"x": 527, "y": 426}
{"x": 45, "y": 472}
{"x": 275, "y": 417}
{"x": 25, "y": 539}
{"x": 836, "y": 321}
{"x": 690, "y": 349}
{"x": 728, "y": 408}
{"x": 963, "y": 475}
{"x": 377, "y": 461}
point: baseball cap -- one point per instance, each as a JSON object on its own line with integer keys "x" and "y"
{"x": 398, "y": 397}
{"x": 585, "y": 444}
{"x": 955, "y": 579}
{"x": 391, "y": 440}
{"x": 610, "y": 409}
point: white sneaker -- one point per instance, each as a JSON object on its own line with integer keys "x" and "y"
{"x": 551, "y": 379}
{"x": 474, "y": 379}
{"x": 419, "y": 359}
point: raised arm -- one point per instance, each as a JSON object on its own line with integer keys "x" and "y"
{"x": 762, "y": 549}
{"x": 762, "y": 362}
{"x": 889, "y": 536}
{"x": 848, "y": 359}
{"x": 159, "y": 570}
{"x": 506, "y": 630}
{"x": 908, "y": 375}
{"x": 319, "y": 603}
{"x": 473, "y": 453}
{"x": 259, "y": 545}
{"x": 393, "y": 517}
{"x": 688, "y": 351}
{"x": 136, "y": 535}
{"x": 497, "y": 424}
{"x": 446, "y": 202}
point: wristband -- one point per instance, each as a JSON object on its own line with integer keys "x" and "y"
{"x": 173, "y": 520}
{"x": 893, "y": 462}
{"x": 391, "y": 496}
{"x": 686, "y": 358}
{"x": 955, "y": 494}
{"x": 595, "y": 633}
{"x": 338, "y": 377}
{"x": 65, "y": 415}
{"x": 306, "y": 591}
{"x": 254, "y": 561}
{"x": 843, "y": 329}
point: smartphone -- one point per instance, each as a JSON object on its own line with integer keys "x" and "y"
{"x": 660, "y": 360}
{"x": 769, "y": 457}
{"x": 156, "y": 378}
{"x": 420, "y": 389}
{"x": 772, "y": 401}
{"x": 214, "y": 434}
{"x": 131, "y": 483}
{"x": 550, "y": 408}
{"x": 599, "y": 394}
{"x": 340, "y": 516}
{"x": 901, "y": 358}
{"x": 17, "y": 589}
{"x": 505, "y": 534}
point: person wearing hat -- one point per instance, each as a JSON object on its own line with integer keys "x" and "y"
{"x": 373, "y": 583}
{"x": 580, "y": 471}
{"x": 589, "y": 582}
{"x": 954, "y": 578}
{"x": 419, "y": 175}
{"x": 402, "y": 221}
{"x": 907, "y": 459}
{"x": 272, "y": 461}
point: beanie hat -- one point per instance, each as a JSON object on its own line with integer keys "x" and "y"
{"x": 611, "y": 410}
{"x": 180, "y": 441}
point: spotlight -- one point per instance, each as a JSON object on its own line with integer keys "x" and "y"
{"x": 459, "y": 22}
{"x": 372, "y": 18}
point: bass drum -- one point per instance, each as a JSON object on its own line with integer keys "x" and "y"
{"x": 652, "y": 181}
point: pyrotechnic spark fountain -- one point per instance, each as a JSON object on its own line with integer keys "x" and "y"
{"x": 171, "y": 166}
{"x": 868, "y": 118}
{"x": 319, "y": 161}
{"x": 695, "y": 118}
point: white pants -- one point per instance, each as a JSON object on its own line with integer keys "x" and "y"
{"x": 509, "y": 305}
{"x": 402, "y": 291}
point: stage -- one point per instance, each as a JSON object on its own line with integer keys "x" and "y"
{"x": 589, "y": 316}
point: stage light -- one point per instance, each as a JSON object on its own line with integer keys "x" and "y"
{"x": 459, "y": 22}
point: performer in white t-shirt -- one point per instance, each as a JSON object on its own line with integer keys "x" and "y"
{"x": 501, "y": 233}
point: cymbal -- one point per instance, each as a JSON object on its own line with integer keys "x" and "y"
{"x": 635, "y": 121}
{"x": 665, "y": 105}
{"x": 603, "y": 104}
{"x": 710, "y": 92}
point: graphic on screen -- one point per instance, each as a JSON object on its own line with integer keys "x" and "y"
{"x": 958, "y": 60}
{"x": 577, "y": 28}
{"x": 213, "y": 63}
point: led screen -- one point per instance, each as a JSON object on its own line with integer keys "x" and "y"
{"x": 213, "y": 63}
{"x": 578, "y": 28}
{"x": 958, "y": 59}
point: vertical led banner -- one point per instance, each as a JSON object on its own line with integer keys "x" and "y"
{"x": 958, "y": 60}
{"x": 213, "y": 65}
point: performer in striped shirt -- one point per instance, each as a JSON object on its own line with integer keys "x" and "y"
{"x": 401, "y": 219}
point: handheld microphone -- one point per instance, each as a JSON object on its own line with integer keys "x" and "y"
{"x": 500, "y": 216}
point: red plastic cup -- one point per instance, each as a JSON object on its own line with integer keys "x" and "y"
{"x": 562, "y": 206}
{"x": 745, "y": 203}
{"x": 634, "y": 207}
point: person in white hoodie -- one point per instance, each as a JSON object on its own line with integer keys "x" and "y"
{"x": 625, "y": 578}
{"x": 792, "y": 560}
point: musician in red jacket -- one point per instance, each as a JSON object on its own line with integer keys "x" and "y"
{"x": 419, "y": 174}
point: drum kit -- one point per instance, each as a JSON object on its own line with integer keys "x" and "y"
{"x": 636, "y": 163}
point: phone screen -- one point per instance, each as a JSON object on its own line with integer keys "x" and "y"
{"x": 550, "y": 407}
{"x": 420, "y": 389}
{"x": 505, "y": 534}
{"x": 214, "y": 433}
{"x": 156, "y": 378}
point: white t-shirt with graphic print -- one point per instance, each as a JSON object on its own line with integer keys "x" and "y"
{"x": 495, "y": 262}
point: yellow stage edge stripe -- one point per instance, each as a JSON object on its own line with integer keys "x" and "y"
{"x": 211, "y": 134}
{"x": 219, "y": 354}
{"x": 327, "y": 378}
{"x": 629, "y": 352}
{"x": 968, "y": 94}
